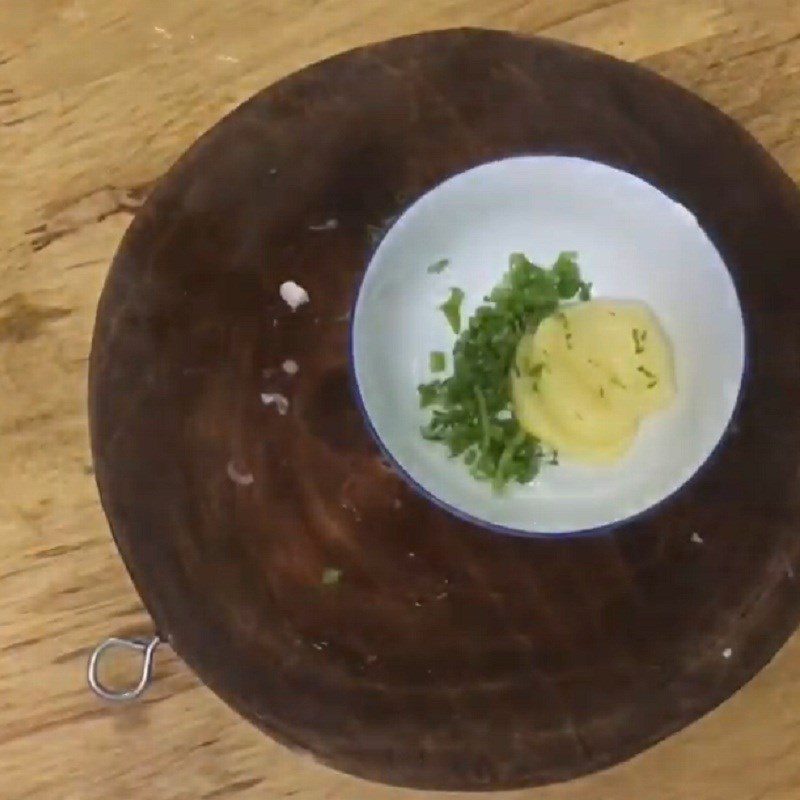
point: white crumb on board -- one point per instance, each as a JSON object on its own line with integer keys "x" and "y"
{"x": 227, "y": 59}
{"x": 696, "y": 538}
{"x": 293, "y": 294}
{"x": 277, "y": 400}
{"x": 161, "y": 32}
{"x": 290, "y": 367}
{"x": 727, "y": 652}
{"x": 239, "y": 477}
{"x": 328, "y": 225}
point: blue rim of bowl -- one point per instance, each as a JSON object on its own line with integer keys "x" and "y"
{"x": 582, "y": 533}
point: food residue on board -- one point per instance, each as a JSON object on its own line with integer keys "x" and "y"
{"x": 328, "y": 225}
{"x": 331, "y": 576}
{"x": 293, "y": 294}
{"x": 280, "y": 402}
{"x": 238, "y": 476}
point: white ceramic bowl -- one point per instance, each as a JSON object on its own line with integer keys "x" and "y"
{"x": 633, "y": 242}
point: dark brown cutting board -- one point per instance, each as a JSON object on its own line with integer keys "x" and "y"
{"x": 445, "y": 656}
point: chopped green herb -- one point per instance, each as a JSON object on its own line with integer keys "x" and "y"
{"x": 501, "y": 473}
{"x": 452, "y": 309}
{"x": 638, "y": 340}
{"x": 602, "y": 392}
{"x": 568, "y": 277}
{"x": 471, "y": 411}
{"x": 562, "y": 318}
{"x": 438, "y": 361}
{"x": 331, "y": 576}
{"x": 534, "y": 372}
{"x": 652, "y": 376}
{"x": 429, "y": 393}
{"x": 440, "y": 266}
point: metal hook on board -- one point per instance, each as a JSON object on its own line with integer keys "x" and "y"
{"x": 147, "y": 647}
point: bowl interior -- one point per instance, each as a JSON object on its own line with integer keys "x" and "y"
{"x": 633, "y": 242}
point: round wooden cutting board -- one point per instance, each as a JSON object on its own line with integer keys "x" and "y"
{"x": 301, "y": 579}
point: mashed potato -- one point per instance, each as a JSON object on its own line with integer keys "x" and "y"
{"x": 589, "y": 374}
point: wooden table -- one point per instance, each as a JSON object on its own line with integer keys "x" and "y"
{"x": 97, "y": 98}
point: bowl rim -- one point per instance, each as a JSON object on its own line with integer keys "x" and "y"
{"x": 605, "y": 529}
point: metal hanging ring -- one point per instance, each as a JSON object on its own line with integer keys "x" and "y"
{"x": 147, "y": 647}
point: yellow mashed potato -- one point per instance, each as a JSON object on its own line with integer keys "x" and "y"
{"x": 588, "y": 375}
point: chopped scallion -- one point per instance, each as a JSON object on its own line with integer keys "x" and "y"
{"x": 437, "y": 361}
{"x": 452, "y": 309}
{"x": 439, "y": 266}
{"x": 471, "y": 411}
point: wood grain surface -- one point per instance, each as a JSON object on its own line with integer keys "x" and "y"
{"x": 96, "y": 100}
